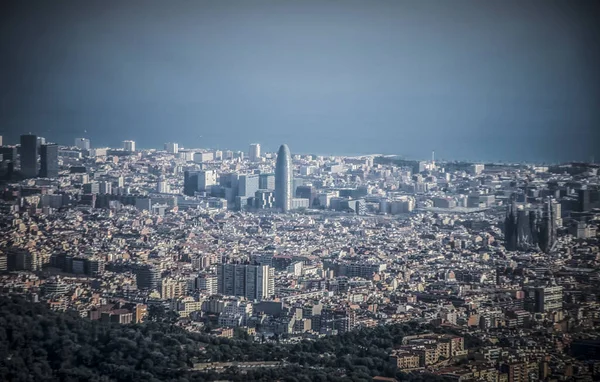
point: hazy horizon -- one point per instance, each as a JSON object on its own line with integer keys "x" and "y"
{"x": 512, "y": 81}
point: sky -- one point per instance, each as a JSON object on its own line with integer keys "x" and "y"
{"x": 473, "y": 80}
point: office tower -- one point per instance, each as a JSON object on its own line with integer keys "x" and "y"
{"x": 129, "y": 146}
{"x": 29, "y": 155}
{"x": 40, "y": 141}
{"x": 266, "y": 181}
{"x": 588, "y": 199}
{"x": 172, "y": 148}
{"x": 190, "y": 182}
{"x": 255, "y": 282}
{"x": 94, "y": 267}
{"x": 105, "y": 188}
{"x": 206, "y": 179}
{"x": 0, "y": 140}
{"x": 306, "y": 192}
{"x": 91, "y": 188}
{"x": 18, "y": 259}
{"x": 49, "y": 161}
{"x": 147, "y": 277}
{"x": 283, "y": 179}
{"x": 254, "y": 152}
{"x": 247, "y": 185}
{"x": 9, "y": 153}
{"x": 82, "y": 143}
{"x": 548, "y": 299}
{"x": 229, "y": 183}
{"x": 264, "y": 199}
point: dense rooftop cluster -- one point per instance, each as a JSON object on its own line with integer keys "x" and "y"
{"x": 506, "y": 256}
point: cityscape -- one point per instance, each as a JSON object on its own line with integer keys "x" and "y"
{"x": 299, "y": 191}
{"x": 476, "y": 271}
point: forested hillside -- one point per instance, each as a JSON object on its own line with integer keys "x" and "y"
{"x": 37, "y": 344}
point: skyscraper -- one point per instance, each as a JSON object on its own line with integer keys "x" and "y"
{"x": 266, "y": 181}
{"x": 190, "y": 182}
{"x": 254, "y": 152}
{"x": 82, "y": 143}
{"x": 248, "y": 184}
{"x": 29, "y": 155}
{"x": 255, "y": 282}
{"x": 129, "y": 146}
{"x": 49, "y": 161}
{"x": 283, "y": 179}
{"x": 172, "y": 148}
{"x": 147, "y": 277}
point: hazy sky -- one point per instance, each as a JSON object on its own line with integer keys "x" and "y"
{"x": 488, "y": 80}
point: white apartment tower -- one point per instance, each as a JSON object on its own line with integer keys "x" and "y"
{"x": 254, "y": 152}
{"x": 129, "y": 146}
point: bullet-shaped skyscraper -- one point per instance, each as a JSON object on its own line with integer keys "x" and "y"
{"x": 283, "y": 179}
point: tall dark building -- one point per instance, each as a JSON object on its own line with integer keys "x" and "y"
{"x": 306, "y": 192}
{"x": 29, "y": 156}
{"x": 147, "y": 277}
{"x": 190, "y": 182}
{"x": 283, "y": 179}
{"x": 9, "y": 153}
{"x": 588, "y": 199}
{"x": 49, "y": 161}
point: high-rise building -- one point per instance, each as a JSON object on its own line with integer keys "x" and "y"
{"x": 105, "y": 187}
{"x": 129, "y": 146}
{"x": 29, "y": 155}
{"x": 0, "y": 140}
{"x": 207, "y": 283}
{"x": 49, "y": 161}
{"x": 306, "y": 192}
{"x": 254, "y": 152}
{"x": 147, "y": 277}
{"x": 190, "y": 182}
{"x": 172, "y": 148}
{"x": 198, "y": 181}
{"x": 283, "y": 179}
{"x": 247, "y": 185}
{"x": 588, "y": 199}
{"x": 82, "y": 143}
{"x": 91, "y": 188}
{"x": 264, "y": 199}
{"x": 206, "y": 178}
{"x": 162, "y": 186}
{"x": 266, "y": 181}
{"x": 9, "y": 153}
{"x": 549, "y": 298}
{"x": 255, "y": 282}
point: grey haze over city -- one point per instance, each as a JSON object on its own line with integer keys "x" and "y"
{"x": 503, "y": 80}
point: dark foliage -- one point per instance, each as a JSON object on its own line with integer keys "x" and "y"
{"x": 37, "y": 344}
